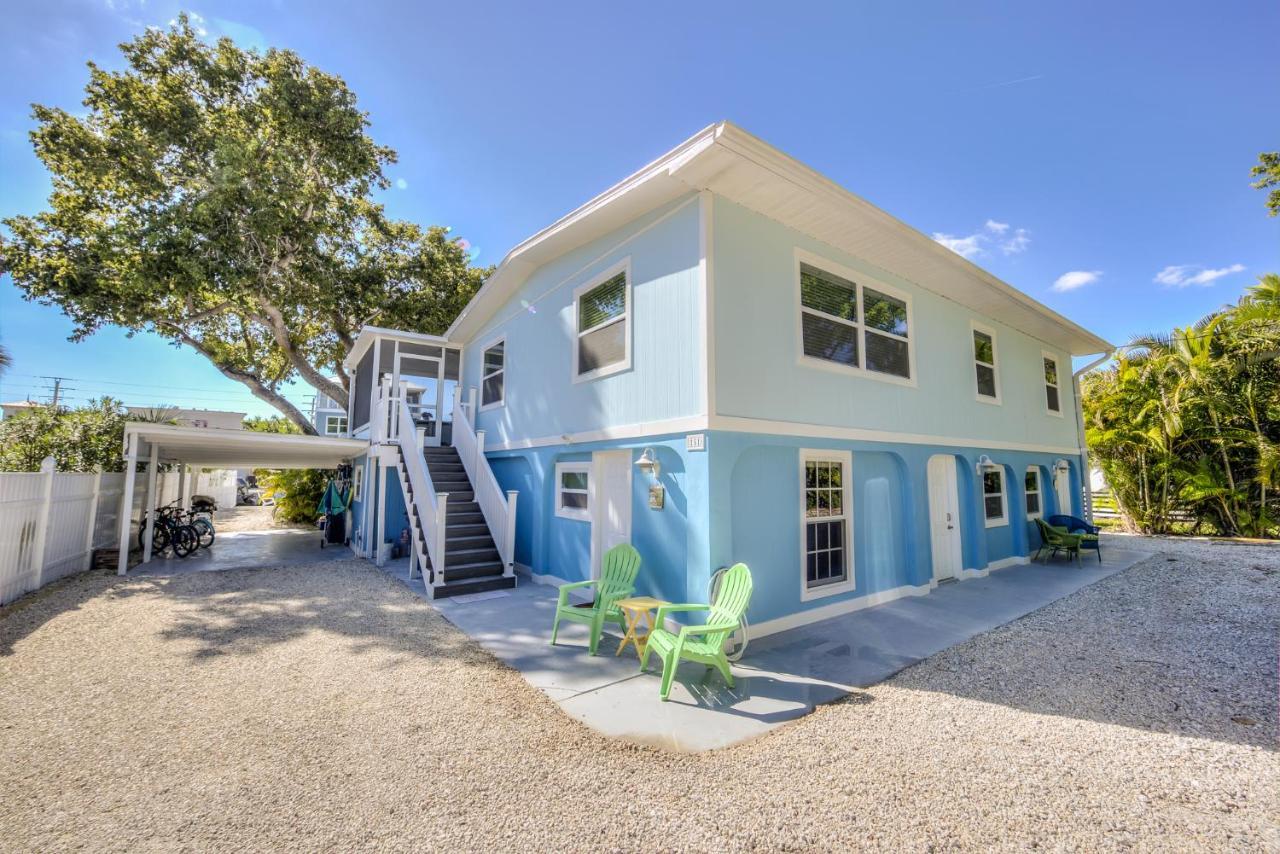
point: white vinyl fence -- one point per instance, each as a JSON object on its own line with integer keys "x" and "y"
{"x": 50, "y": 524}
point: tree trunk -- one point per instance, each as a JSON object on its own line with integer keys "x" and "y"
{"x": 274, "y": 320}
{"x": 255, "y": 384}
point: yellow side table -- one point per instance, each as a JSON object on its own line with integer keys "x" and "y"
{"x": 637, "y": 616}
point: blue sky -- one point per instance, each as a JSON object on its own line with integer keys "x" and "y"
{"x": 1095, "y": 155}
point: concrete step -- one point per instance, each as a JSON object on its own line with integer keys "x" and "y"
{"x": 458, "y": 588}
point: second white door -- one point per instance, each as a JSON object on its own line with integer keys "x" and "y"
{"x": 611, "y": 505}
{"x": 944, "y": 517}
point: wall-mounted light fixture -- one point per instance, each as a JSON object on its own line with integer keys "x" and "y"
{"x": 1061, "y": 466}
{"x": 984, "y": 462}
{"x": 649, "y": 464}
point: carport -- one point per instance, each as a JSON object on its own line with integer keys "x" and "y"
{"x": 206, "y": 447}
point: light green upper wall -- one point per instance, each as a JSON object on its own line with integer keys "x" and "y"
{"x": 759, "y": 373}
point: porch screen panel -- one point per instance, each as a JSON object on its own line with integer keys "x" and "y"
{"x": 362, "y": 388}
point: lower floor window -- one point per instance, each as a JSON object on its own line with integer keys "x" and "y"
{"x": 993, "y": 496}
{"x": 1033, "y": 492}
{"x": 827, "y": 547}
{"x": 573, "y": 491}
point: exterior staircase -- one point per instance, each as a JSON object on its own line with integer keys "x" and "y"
{"x": 472, "y": 562}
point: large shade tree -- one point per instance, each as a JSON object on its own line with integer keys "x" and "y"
{"x": 224, "y": 199}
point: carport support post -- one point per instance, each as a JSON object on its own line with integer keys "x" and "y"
{"x": 151, "y": 491}
{"x": 126, "y": 504}
{"x": 182, "y": 486}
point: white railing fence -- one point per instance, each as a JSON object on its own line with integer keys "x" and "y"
{"x": 432, "y": 507}
{"x": 51, "y": 523}
{"x": 499, "y": 508}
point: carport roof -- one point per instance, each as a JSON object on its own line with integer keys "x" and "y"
{"x": 214, "y": 448}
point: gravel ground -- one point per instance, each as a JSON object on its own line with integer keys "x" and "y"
{"x": 327, "y": 707}
{"x": 246, "y": 518}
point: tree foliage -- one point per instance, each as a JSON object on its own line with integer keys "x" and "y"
{"x": 1189, "y": 422}
{"x": 223, "y": 199}
{"x": 1268, "y": 174}
{"x": 273, "y": 424}
{"x": 303, "y": 489}
{"x": 79, "y": 440}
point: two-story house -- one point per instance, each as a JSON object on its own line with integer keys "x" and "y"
{"x": 727, "y": 357}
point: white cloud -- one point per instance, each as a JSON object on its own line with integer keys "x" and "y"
{"x": 1017, "y": 243}
{"x": 993, "y": 233}
{"x": 1184, "y": 275}
{"x": 966, "y": 247}
{"x": 402, "y": 184}
{"x": 1075, "y": 279}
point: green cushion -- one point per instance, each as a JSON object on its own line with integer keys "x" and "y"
{"x": 1060, "y": 529}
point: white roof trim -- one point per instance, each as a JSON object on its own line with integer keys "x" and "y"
{"x": 704, "y": 162}
{"x": 213, "y": 447}
{"x": 368, "y": 333}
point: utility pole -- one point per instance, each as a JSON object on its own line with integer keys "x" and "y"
{"x": 57, "y": 388}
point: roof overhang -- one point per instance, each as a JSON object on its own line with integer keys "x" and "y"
{"x": 369, "y": 334}
{"x": 240, "y": 449}
{"x": 728, "y": 161}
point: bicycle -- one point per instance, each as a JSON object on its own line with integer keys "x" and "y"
{"x": 169, "y": 532}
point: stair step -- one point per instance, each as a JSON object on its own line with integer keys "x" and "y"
{"x": 478, "y": 586}
{"x": 468, "y": 555}
{"x": 464, "y": 519}
{"x": 454, "y": 529}
{"x": 470, "y": 571}
{"x": 480, "y": 540}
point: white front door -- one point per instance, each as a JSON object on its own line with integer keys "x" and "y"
{"x": 610, "y": 503}
{"x": 1062, "y": 486}
{"x": 944, "y": 517}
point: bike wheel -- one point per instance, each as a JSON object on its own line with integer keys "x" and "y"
{"x": 160, "y": 539}
{"x": 204, "y": 531}
{"x": 142, "y": 532}
{"x": 185, "y": 540}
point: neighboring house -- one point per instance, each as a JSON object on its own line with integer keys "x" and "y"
{"x": 328, "y": 416}
{"x": 217, "y": 419}
{"x": 13, "y": 407}
{"x": 727, "y": 357}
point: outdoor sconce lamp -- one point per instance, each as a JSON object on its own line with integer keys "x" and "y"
{"x": 984, "y": 462}
{"x": 649, "y": 464}
{"x": 1061, "y": 466}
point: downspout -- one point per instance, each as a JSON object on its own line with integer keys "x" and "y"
{"x": 1086, "y": 475}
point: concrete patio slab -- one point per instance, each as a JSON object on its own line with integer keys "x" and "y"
{"x": 248, "y": 549}
{"x": 782, "y": 677}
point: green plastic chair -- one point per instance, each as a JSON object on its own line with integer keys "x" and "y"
{"x": 617, "y": 581}
{"x": 705, "y": 643}
{"x": 1056, "y": 540}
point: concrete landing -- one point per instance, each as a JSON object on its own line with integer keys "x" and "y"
{"x": 782, "y": 677}
{"x": 248, "y": 550}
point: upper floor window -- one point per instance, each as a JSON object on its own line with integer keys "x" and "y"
{"x": 603, "y": 313}
{"x": 492, "y": 375}
{"x": 335, "y": 425}
{"x": 984, "y": 364}
{"x": 1032, "y": 484}
{"x": 850, "y": 324}
{"x": 993, "y": 500}
{"x": 1051, "y": 385}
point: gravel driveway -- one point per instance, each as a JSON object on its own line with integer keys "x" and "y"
{"x": 327, "y": 707}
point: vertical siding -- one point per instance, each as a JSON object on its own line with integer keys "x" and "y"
{"x": 665, "y": 379}
{"x": 758, "y": 374}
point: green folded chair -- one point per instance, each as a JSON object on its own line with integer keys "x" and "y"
{"x": 617, "y": 581}
{"x": 1055, "y": 539}
{"x": 703, "y": 643}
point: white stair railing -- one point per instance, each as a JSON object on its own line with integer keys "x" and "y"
{"x": 432, "y": 507}
{"x": 499, "y": 508}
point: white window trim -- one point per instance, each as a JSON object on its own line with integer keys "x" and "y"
{"x": 845, "y": 458}
{"x": 859, "y": 279}
{"x": 357, "y": 482}
{"x": 502, "y": 401}
{"x": 329, "y": 418}
{"x": 1004, "y": 496}
{"x": 623, "y": 266}
{"x": 1044, "y": 383}
{"x": 974, "y": 326}
{"x": 578, "y": 514}
{"x": 1039, "y": 491}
